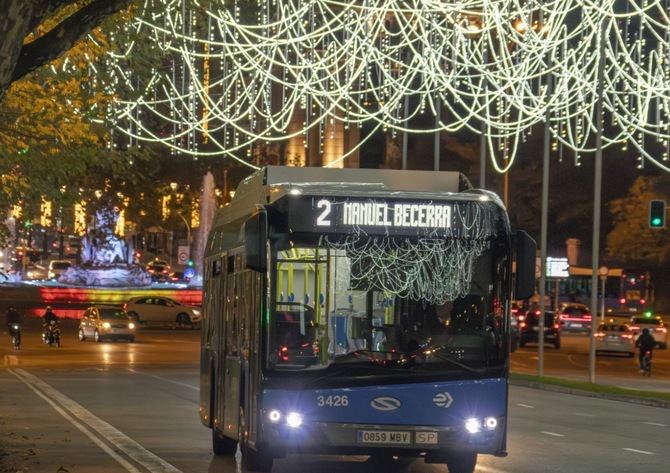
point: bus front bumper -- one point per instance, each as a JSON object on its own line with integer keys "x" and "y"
{"x": 321, "y": 437}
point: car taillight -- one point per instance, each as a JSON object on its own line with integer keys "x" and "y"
{"x": 634, "y": 327}
{"x": 661, "y": 329}
{"x": 522, "y": 324}
{"x": 125, "y": 307}
{"x": 522, "y": 318}
{"x": 599, "y": 334}
{"x": 556, "y": 326}
{"x": 562, "y": 316}
{"x": 626, "y": 335}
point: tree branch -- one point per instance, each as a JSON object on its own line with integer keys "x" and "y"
{"x": 63, "y": 36}
{"x": 45, "y": 9}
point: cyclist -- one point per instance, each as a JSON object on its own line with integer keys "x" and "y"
{"x": 13, "y": 316}
{"x": 645, "y": 342}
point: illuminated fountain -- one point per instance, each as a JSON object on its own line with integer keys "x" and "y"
{"x": 107, "y": 259}
{"x": 207, "y": 208}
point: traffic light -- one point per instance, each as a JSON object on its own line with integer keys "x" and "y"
{"x": 657, "y": 214}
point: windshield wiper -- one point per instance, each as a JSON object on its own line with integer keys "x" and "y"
{"x": 435, "y": 351}
{"x": 357, "y": 355}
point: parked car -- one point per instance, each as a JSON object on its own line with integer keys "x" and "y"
{"x": 57, "y": 268}
{"x": 615, "y": 338}
{"x": 102, "y": 322}
{"x": 162, "y": 310}
{"x": 574, "y": 317}
{"x": 655, "y": 325}
{"x": 529, "y": 327}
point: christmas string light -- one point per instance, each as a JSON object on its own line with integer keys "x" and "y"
{"x": 266, "y": 71}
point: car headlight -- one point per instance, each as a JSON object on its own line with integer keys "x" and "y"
{"x": 131, "y": 325}
{"x": 106, "y": 325}
{"x": 196, "y": 312}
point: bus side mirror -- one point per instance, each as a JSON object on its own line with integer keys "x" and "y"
{"x": 525, "y": 248}
{"x": 255, "y": 237}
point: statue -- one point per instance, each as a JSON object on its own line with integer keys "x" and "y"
{"x": 107, "y": 259}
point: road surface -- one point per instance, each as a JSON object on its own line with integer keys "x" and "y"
{"x": 122, "y": 407}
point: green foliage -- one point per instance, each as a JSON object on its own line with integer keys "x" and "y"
{"x": 631, "y": 241}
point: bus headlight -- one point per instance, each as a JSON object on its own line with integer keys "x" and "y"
{"x": 490, "y": 423}
{"x": 473, "y": 425}
{"x": 274, "y": 416}
{"x": 294, "y": 420}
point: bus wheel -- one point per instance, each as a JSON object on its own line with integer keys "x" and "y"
{"x": 223, "y": 445}
{"x": 255, "y": 460}
{"x": 463, "y": 463}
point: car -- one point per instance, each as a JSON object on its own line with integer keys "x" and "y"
{"x": 574, "y": 317}
{"x": 615, "y": 338}
{"x": 154, "y": 310}
{"x": 104, "y": 322}
{"x": 179, "y": 277}
{"x": 159, "y": 270}
{"x": 35, "y": 273}
{"x": 529, "y": 328}
{"x": 655, "y": 325}
{"x": 57, "y": 268}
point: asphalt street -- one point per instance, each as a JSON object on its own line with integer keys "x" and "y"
{"x": 122, "y": 407}
{"x": 572, "y": 361}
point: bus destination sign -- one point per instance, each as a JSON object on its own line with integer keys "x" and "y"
{"x": 382, "y": 214}
{"x": 327, "y": 214}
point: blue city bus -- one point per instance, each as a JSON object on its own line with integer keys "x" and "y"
{"x": 359, "y": 311}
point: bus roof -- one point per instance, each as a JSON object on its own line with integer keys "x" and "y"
{"x": 271, "y": 183}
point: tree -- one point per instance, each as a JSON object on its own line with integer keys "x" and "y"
{"x": 631, "y": 241}
{"x": 26, "y": 44}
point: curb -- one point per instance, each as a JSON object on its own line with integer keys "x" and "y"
{"x": 650, "y": 402}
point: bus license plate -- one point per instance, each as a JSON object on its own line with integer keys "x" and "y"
{"x": 384, "y": 436}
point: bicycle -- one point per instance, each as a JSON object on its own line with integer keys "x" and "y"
{"x": 646, "y": 363}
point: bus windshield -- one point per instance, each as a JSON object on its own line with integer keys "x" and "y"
{"x": 389, "y": 304}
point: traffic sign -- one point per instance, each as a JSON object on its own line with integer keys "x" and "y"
{"x": 183, "y": 254}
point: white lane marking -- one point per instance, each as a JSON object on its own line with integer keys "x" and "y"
{"x": 553, "y": 434}
{"x": 185, "y": 385}
{"x": 124, "y": 443}
{"x": 120, "y": 460}
{"x": 525, "y": 405}
{"x": 656, "y": 424}
{"x": 581, "y": 414}
{"x": 639, "y": 451}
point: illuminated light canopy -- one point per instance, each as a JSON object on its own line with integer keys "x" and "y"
{"x": 240, "y": 74}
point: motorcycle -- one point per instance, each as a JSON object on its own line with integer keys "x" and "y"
{"x": 51, "y": 335}
{"x": 15, "y": 334}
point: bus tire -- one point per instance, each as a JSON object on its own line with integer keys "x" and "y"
{"x": 462, "y": 463}
{"x": 222, "y": 445}
{"x": 255, "y": 460}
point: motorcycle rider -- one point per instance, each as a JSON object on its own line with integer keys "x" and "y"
{"x": 48, "y": 317}
{"x": 646, "y": 343}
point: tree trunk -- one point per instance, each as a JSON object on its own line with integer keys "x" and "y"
{"x": 14, "y": 24}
